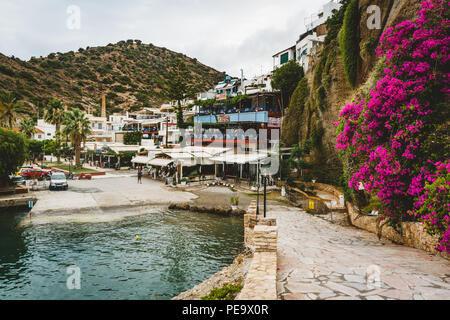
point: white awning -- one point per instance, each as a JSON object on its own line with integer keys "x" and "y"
{"x": 159, "y": 162}
{"x": 240, "y": 158}
{"x": 140, "y": 160}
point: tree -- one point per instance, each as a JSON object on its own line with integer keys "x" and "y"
{"x": 286, "y": 79}
{"x": 179, "y": 86}
{"x": 349, "y": 42}
{"x": 77, "y": 127}
{"x": 12, "y": 153}
{"x": 27, "y": 127}
{"x": 35, "y": 149}
{"x": 54, "y": 114}
{"x": 10, "y": 109}
{"x": 132, "y": 138}
{"x": 292, "y": 120}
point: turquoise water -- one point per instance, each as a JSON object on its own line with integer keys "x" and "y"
{"x": 176, "y": 251}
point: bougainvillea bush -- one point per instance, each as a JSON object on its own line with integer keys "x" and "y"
{"x": 394, "y": 136}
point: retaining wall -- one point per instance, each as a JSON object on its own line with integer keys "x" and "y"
{"x": 260, "y": 235}
{"x": 412, "y": 232}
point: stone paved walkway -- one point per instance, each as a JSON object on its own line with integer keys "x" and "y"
{"x": 320, "y": 260}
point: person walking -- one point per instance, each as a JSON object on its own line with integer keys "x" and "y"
{"x": 140, "y": 175}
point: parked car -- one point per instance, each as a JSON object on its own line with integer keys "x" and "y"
{"x": 17, "y": 180}
{"x": 58, "y": 180}
{"x": 26, "y": 167}
{"x": 36, "y": 172}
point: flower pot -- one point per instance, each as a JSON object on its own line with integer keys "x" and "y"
{"x": 234, "y": 207}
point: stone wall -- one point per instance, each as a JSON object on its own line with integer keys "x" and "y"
{"x": 261, "y": 236}
{"x": 413, "y": 234}
{"x": 325, "y": 187}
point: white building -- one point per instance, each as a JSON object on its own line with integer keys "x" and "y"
{"x": 306, "y": 47}
{"x": 44, "y": 131}
{"x": 322, "y": 16}
{"x": 284, "y": 56}
{"x": 211, "y": 94}
{"x": 309, "y": 42}
{"x": 258, "y": 84}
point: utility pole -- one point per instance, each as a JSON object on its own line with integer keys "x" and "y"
{"x": 167, "y": 129}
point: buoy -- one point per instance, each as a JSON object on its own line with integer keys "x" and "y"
{"x": 137, "y": 237}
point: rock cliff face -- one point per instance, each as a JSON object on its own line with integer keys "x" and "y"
{"x": 329, "y": 88}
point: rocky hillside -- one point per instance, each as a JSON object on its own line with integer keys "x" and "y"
{"x": 329, "y": 88}
{"x": 131, "y": 74}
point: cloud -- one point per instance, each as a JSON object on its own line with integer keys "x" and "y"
{"x": 227, "y": 35}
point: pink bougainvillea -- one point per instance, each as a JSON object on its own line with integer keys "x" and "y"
{"x": 386, "y": 129}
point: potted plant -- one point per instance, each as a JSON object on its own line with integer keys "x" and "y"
{"x": 184, "y": 181}
{"x": 234, "y": 202}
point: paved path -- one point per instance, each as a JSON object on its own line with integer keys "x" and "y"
{"x": 110, "y": 191}
{"x": 320, "y": 260}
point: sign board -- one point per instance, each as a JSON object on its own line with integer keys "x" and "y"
{"x": 274, "y": 122}
{"x": 221, "y": 96}
{"x": 341, "y": 201}
{"x": 311, "y": 204}
{"x": 223, "y": 119}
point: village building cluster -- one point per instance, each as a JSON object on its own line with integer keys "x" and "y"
{"x": 241, "y": 120}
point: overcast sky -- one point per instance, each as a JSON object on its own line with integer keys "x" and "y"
{"x": 227, "y": 35}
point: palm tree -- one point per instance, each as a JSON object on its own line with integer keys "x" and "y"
{"x": 10, "y": 109}
{"x": 77, "y": 127}
{"x": 54, "y": 114}
{"x": 27, "y": 127}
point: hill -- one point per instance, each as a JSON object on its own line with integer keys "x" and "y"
{"x": 131, "y": 74}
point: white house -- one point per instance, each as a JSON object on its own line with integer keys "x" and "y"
{"x": 322, "y": 16}
{"x": 258, "y": 84}
{"x": 44, "y": 131}
{"x": 309, "y": 42}
{"x": 284, "y": 56}
{"x": 211, "y": 94}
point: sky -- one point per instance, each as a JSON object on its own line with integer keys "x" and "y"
{"x": 227, "y": 35}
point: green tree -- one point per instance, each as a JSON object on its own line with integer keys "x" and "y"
{"x": 54, "y": 114}
{"x": 297, "y": 157}
{"x": 27, "y": 127}
{"x": 286, "y": 79}
{"x": 132, "y": 138}
{"x": 349, "y": 42}
{"x": 77, "y": 127}
{"x": 35, "y": 149}
{"x": 12, "y": 153}
{"x": 10, "y": 109}
{"x": 292, "y": 119}
{"x": 179, "y": 86}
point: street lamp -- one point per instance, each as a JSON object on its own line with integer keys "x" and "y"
{"x": 257, "y": 190}
{"x": 265, "y": 192}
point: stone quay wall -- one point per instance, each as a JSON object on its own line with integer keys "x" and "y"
{"x": 261, "y": 236}
{"x": 412, "y": 232}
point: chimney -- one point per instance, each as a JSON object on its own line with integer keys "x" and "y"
{"x": 103, "y": 106}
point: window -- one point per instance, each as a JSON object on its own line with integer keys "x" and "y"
{"x": 93, "y": 125}
{"x": 100, "y": 126}
{"x": 284, "y": 58}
